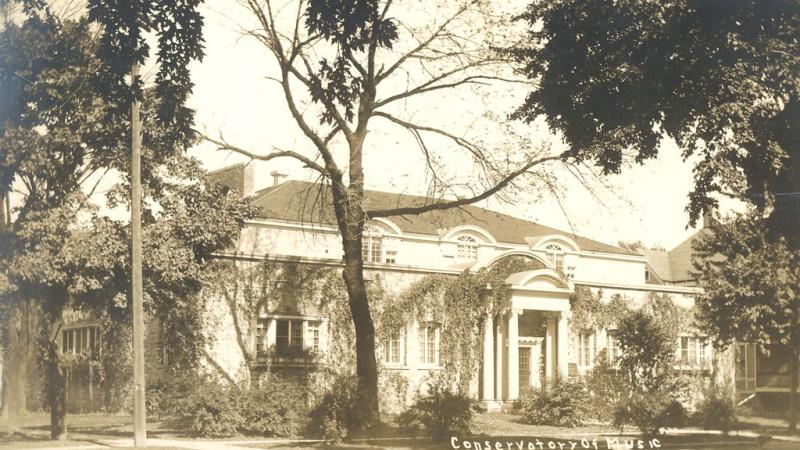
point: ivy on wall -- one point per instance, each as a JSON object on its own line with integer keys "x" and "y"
{"x": 590, "y": 312}
{"x": 295, "y": 288}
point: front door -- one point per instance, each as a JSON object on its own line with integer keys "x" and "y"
{"x": 525, "y": 367}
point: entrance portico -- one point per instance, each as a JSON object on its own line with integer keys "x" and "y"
{"x": 525, "y": 339}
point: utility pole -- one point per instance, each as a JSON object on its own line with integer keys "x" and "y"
{"x": 139, "y": 419}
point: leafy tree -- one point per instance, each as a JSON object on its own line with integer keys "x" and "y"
{"x": 45, "y": 133}
{"x": 59, "y": 132}
{"x": 750, "y": 290}
{"x": 647, "y": 350}
{"x": 719, "y": 77}
{"x": 647, "y": 347}
{"x": 348, "y": 70}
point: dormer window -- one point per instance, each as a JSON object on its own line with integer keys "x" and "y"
{"x": 555, "y": 256}
{"x": 372, "y": 245}
{"x": 467, "y": 248}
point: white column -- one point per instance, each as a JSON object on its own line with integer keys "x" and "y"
{"x": 488, "y": 356}
{"x": 563, "y": 345}
{"x": 271, "y": 333}
{"x": 498, "y": 379}
{"x": 536, "y": 361}
{"x": 513, "y": 355}
{"x": 548, "y": 348}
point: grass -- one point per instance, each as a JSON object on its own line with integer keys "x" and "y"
{"x": 88, "y": 429}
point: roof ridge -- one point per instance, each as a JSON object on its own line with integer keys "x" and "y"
{"x": 226, "y": 168}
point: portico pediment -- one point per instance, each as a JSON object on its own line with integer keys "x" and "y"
{"x": 540, "y": 290}
{"x": 542, "y": 279}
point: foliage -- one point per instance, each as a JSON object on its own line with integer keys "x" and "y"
{"x": 647, "y": 359}
{"x": 177, "y": 28}
{"x": 60, "y": 132}
{"x": 647, "y": 351}
{"x": 455, "y": 303}
{"x": 201, "y": 405}
{"x": 336, "y": 416}
{"x": 276, "y": 408}
{"x": 441, "y": 412}
{"x": 750, "y": 280}
{"x": 750, "y": 284}
{"x": 717, "y": 411}
{"x": 719, "y": 78}
{"x": 561, "y": 402}
{"x": 208, "y": 409}
{"x": 649, "y": 412}
{"x": 589, "y": 312}
{"x": 606, "y": 387}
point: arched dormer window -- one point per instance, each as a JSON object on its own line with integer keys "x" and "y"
{"x": 467, "y": 248}
{"x": 555, "y": 256}
{"x": 372, "y": 244}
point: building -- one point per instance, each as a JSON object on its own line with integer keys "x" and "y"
{"x": 526, "y": 339}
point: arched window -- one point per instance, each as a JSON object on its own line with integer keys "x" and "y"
{"x": 371, "y": 245}
{"x": 467, "y": 248}
{"x": 555, "y": 256}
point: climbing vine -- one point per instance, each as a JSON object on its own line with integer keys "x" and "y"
{"x": 590, "y": 312}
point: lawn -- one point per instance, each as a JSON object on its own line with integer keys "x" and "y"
{"x": 89, "y": 430}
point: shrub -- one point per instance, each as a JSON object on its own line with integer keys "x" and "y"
{"x": 440, "y": 412}
{"x": 210, "y": 409}
{"x": 277, "y": 408}
{"x": 649, "y": 412}
{"x": 606, "y": 387}
{"x": 335, "y": 417}
{"x": 717, "y": 411}
{"x": 205, "y": 407}
{"x": 561, "y": 402}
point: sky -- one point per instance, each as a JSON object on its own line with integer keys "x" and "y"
{"x": 234, "y": 98}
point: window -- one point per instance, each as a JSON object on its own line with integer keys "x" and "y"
{"x": 467, "y": 248}
{"x": 313, "y": 328}
{"x": 391, "y": 256}
{"x": 585, "y": 349}
{"x": 612, "y": 347}
{"x": 288, "y": 335}
{"x": 555, "y": 256}
{"x": 429, "y": 343}
{"x": 392, "y": 349}
{"x": 371, "y": 245}
{"x": 81, "y": 340}
{"x": 691, "y": 350}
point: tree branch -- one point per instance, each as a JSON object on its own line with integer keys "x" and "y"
{"x": 277, "y": 153}
{"x": 412, "y": 210}
{"x": 219, "y": 368}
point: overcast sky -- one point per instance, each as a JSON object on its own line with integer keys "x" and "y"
{"x": 233, "y": 98}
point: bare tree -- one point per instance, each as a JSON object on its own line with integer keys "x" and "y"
{"x": 342, "y": 64}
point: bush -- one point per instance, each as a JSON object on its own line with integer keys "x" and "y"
{"x": 277, "y": 408}
{"x": 717, "y": 411}
{"x": 560, "y": 403}
{"x": 606, "y": 387}
{"x": 649, "y": 412}
{"x": 210, "y": 409}
{"x": 440, "y": 413}
{"x": 335, "y": 417}
{"x": 205, "y": 407}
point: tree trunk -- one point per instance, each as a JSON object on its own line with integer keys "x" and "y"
{"x": 16, "y": 360}
{"x": 56, "y": 382}
{"x": 366, "y": 366}
{"x": 793, "y": 381}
